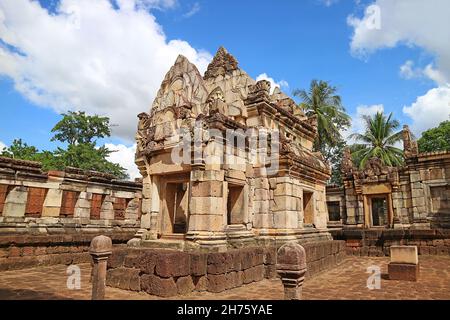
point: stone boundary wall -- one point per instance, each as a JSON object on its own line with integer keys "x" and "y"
{"x": 27, "y": 251}
{"x": 376, "y": 243}
{"x": 168, "y": 273}
{"x": 37, "y": 202}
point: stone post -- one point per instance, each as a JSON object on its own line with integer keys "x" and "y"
{"x": 100, "y": 250}
{"x": 291, "y": 267}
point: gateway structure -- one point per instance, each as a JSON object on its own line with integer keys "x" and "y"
{"x": 226, "y": 161}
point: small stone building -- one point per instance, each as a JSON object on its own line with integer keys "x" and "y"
{"x": 415, "y": 195}
{"x": 225, "y": 187}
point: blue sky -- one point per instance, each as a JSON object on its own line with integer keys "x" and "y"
{"x": 111, "y": 59}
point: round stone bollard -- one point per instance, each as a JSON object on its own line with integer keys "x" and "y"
{"x": 291, "y": 267}
{"x": 100, "y": 250}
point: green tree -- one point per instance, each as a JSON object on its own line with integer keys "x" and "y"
{"x": 436, "y": 139}
{"x": 334, "y": 157}
{"x": 88, "y": 157}
{"x": 20, "y": 150}
{"x": 323, "y": 101}
{"x": 80, "y": 132}
{"x": 378, "y": 141}
{"x": 77, "y": 127}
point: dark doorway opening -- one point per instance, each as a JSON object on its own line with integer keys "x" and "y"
{"x": 379, "y": 211}
{"x": 235, "y": 204}
{"x": 334, "y": 210}
{"x": 308, "y": 208}
{"x": 177, "y": 207}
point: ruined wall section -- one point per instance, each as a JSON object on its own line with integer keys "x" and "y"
{"x": 37, "y": 202}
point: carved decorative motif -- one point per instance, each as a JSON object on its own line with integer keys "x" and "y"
{"x": 142, "y": 135}
{"x": 259, "y": 91}
{"x": 182, "y": 87}
{"x": 222, "y": 63}
{"x": 410, "y": 147}
{"x": 347, "y": 162}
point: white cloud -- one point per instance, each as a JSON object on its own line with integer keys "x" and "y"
{"x": 273, "y": 84}
{"x": 147, "y": 4}
{"x": 2, "y": 146}
{"x": 124, "y": 156}
{"x": 408, "y": 71}
{"x": 195, "y": 8}
{"x": 411, "y": 22}
{"x": 358, "y": 124}
{"x": 424, "y": 24}
{"x": 430, "y": 109}
{"x": 89, "y": 56}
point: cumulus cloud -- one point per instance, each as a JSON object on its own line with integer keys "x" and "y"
{"x": 282, "y": 84}
{"x": 430, "y": 109}
{"x": 90, "y": 55}
{"x": 411, "y": 22}
{"x": 424, "y": 24}
{"x": 408, "y": 71}
{"x": 124, "y": 156}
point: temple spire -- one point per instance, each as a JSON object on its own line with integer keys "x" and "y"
{"x": 222, "y": 63}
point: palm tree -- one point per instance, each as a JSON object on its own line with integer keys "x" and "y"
{"x": 378, "y": 141}
{"x": 321, "y": 100}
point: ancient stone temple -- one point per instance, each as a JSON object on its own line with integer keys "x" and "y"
{"x": 413, "y": 196}
{"x": 226, "y": 161}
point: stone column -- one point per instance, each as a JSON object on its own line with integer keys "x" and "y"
{"x": 291, "y": 267}
{"x": 100, "y": 250}
{"x": 16, "y": 202}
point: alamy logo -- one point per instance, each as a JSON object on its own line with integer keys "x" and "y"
{"x": 373, "y": 20}
{"x": 263, "y": 147}
{"x": 74, "y": 277}
{"x": 374, "y": 280}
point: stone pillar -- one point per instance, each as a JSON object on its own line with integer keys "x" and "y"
{"x": 52, "y": 203}
{"x": 207, "y": 208}
{"x": 291, "y": 267}
{"x": 418, "y": 193}
{"x": 107, "y": 209}
{"x": 16, "y": 202}
{"x": 83, "y": 206}
{"x": 321, "y": 209}
{"x": 285, "y": 206}
{"x": 263, "y": 218}
{"x": 100, "y": 250}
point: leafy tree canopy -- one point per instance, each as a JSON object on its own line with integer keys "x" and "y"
{"x": 81, "y": 151}
{"x": 322, "y": 100}
{"x": 436, "y": 139}
{"x": 378, "y": 140}
{"x": 77, "y": 127}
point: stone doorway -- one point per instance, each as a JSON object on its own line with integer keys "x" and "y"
{"x": 334, "y": 210}
{"x": 379, "y": 211}
{"x": 235, "y": 204}
{"x": 308, "y": 209}
{"x": 175, "y": 208}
